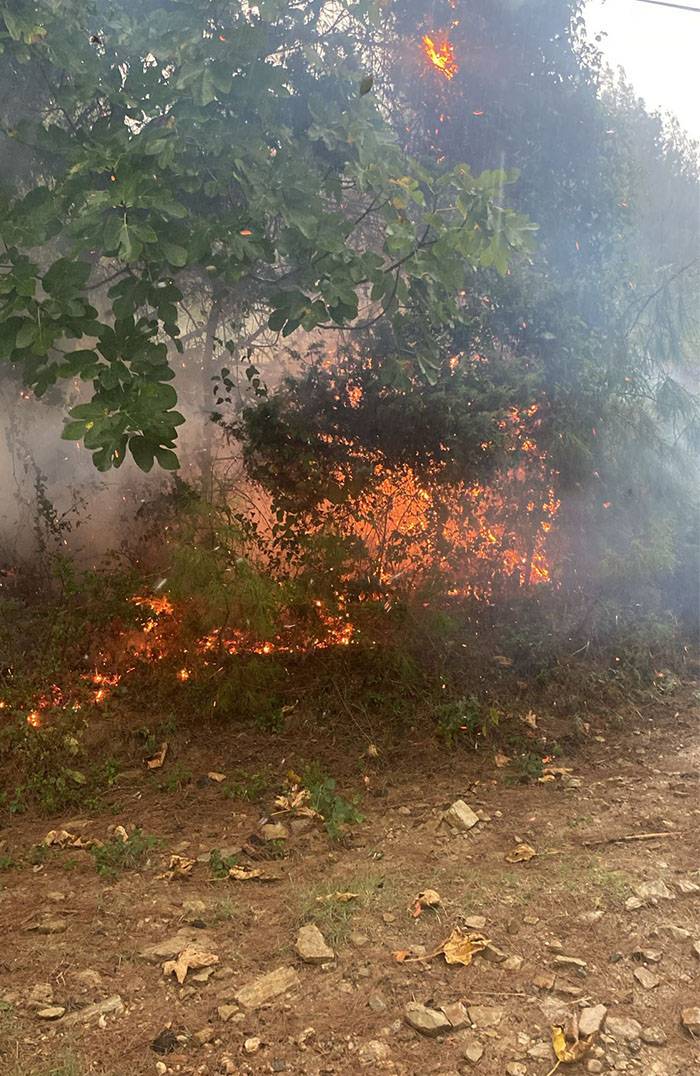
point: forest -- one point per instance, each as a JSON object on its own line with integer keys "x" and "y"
{"x": 351, "y": 407}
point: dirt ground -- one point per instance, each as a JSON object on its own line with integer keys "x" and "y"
{"x": 578, "y": 897}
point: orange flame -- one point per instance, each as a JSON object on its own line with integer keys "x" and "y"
{"x": 441, "y": 54}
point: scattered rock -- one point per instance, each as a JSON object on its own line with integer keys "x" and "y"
{"x": 654, "y": 1036}
{"x": 632, "y": 904}
{"x": 461, "y": 817}
{"x": 573, "y": 963}
{"x": 225, "y": 1012}
{"x": 427, "y": 1021}
{"x": 647, "y": 978}
{"x": 516, "y": 1068}
{"x": 40, "y": 996}
{"x": 623, "y": 1028}
{"x": 311, "y": 946}
{"x": 49, "y": 924}
{"x": 591, "y": 1020}
{"x": 267, "y": 987}
{"x": 251, "y": 1046}
{"x": 493, "y": 954}
{"x": 376, "y": 1002}
{"x": 204, "y": 1035}
{"x": 589, "y": 918}
{"x": 358, "y": 939}
{"x": 372, "y": 1052}
{"x": 648, "y": 956}
{"x": 55, "y": 897}
{"x": 690, "y": 1019}
{"x": 544, "y": 981}
{"x": 595, "y": 1066}
{"x": 170, "y": 948}
{"x": 161, "y": 1068}
{"x": 52, "y": 1012}
{"x": 474, "y": 1052}
{"x": 88, "y": 977}
{"x": 165, "y": 1041}
{"x": 686, "y": 887}
{"x": 113, "y": 1004}
{"x": 651, "y": 892}
{"x": 475, "y": 922}
{"x": 274, "y": 831}
{"x": 677, "y": 933}
{"x": 485, "y": 1015}
{"x": 457, "y": 1014}
{"x": 513, "y": 963}
{"x": 541, "y": 1051}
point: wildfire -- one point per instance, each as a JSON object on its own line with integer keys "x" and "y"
{"x": 441, "y": 54}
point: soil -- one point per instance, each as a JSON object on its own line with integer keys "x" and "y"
{"x": 635, "y": 775}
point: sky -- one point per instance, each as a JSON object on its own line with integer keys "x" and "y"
{"x": 659, "y": 49}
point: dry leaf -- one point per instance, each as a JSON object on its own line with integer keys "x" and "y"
{"x": 567, "y": 1053}
{"x": 63, "y": 839}
{"x": 530, "y": 719}
{"x": 189, "y": 958}
{"x": 243, "y": 874}
{"x": 501, "y": 760}
{"x": 373, "y": 751}
{"x": 502, "y": 660}
{"x": 156, "y": 761}
{"x": 215, "y": 776}
{"x": 178, "y": 867}
{"x": 121, "y": 833}
{"x": 522, "y": 853}
{"x": 459, "y": 948}
{"x": 297, "y": 800}
{"x": 550, "y": 773}
{"x": 429, "y": 898}
{"x": 337, "y": 898}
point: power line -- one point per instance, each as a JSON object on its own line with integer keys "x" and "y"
{"x": 666, "y": 3}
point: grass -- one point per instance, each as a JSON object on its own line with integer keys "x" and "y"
{"x": 250, "y": 787}
{"x": 334, "y": 918}
{"x": 117, "y": 855}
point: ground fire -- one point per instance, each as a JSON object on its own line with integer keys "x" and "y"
{"x": 439, "y": 51}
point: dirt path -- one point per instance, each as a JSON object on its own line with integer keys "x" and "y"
{"x": 577, "y": 898}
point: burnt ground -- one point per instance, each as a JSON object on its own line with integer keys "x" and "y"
{"x": 635, "y": 774}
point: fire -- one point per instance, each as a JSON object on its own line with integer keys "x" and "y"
{"x": 441, "y": 54}
{"x": 34, "y": 719}
{"x": 183, "y": 675}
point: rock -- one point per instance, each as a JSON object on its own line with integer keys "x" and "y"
{"x": 654, "y": 1036}
{"x": 541, "y": 1051}
{"x": 690, "y": 1019}
{"x": 170, "y": 948}
{"x": 274, "y": 831}
{"x": 686, "y": 887}
{"x": 566, "y": 990}
{"x": 40, "y": 996}
{"x": 225, "y": 1012}
{"x": 595, "y": 1066}
{"x": 376, "y": 1002}
{"x": 461, "y": 817}
{"x": 193, "y": 909}
{"x": 648, "y": 956}
{"x": 113, "y": 1004}
{"x": 49, "y": 924}
{"x": 632, "y": 904}
{"x": 267, "y": 987}
{"x": 204, "y": 1035}
{"x": 358, "y": 939}
{"x": 165, "y": 1042}
{"x": 55, "y": 897}
{"x": 311, "y": 946}
{"x": 372, "y": 1052}
{"x": 623, "y": 1028}
{"x": 161, "y": 1068}
{"x": 474, "y": 1052}
{"x": 475, "y": 922}
{"x": 677, "y": 933}
{"x": 647, "y": 978}
{"x": 493, "y": 954}
{"x": 251, "y": 1046}
{"x": 651, "y": 892}
{"x": 591, "y": 1020}
{"x": 572, "y": 962}
{"x": 589, "y": 918}
{"x": 513, "y": 963}
{"x": 89, "y": 978}
{"x": 485, "y": 1015}
{"x": 427, "y": 1021}
{"x": 516, "y": 1068}
{"x": 457, "y": 1014}
{"x": 544, "y": 981}
{"x": 52, "y": 1012}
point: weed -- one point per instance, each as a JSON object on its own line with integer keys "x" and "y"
{"x": 224, "y": 910}
{"x": 334, "y": 917}
{"x": 37, "y": 855}
{"x": 220, "y": 865}
{"x": 7, "y": 862}
{"x": 177, "y": 778}
{"x": 246, "y": 786}
{"x": 465, "y": 715}
{"x": 335, "y": 811}
{"x": 524, "y": 768}
{"x": 117, "y": 855}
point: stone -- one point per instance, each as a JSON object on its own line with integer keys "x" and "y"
{"x": 544, "y": 981}
{"x": 493, "y": 954}
{"x": 690, "y": 1019}
{"x": 647, "y": 956}
{"x": 274, "y": 831}
{"x": 252, "y": 1045}
{"x": 651, "y": 892}
{"x": 623, "y": 1028}
{"x": 161, "y": 1068}
{"x": 686, "y": 887}
{"x": 541, "y": 1051}
{"x": 358, "y": 939}
{"x": 49, "y": 924}
{"x": 595, "y": 1066}
{"x": 52, "y": 1012}
{"x": 370, "y": 1053}
{"x": 113, "y": 1004}
{"x": 225, "y": 1012}
{"x": 591, "y": 1020}
{"x": 267, "y": 987}
{"x": 475, "y": 922}
{"x": 677, "y": 933}
{"x": 646, "y": 978}
{"x": 55, "y": 897}
{"x": 516, "y": 1068}
{"x": 461, "y": 817}
{"x": 428, "y": 1021}
{"x": 566, "y": 990}
{"x": 311, "y": 946}
{"x": 485, "y": 1015}
{"x": 473, "y": 1052}
{"x": 632, "y": 904}
{"x": 204, "y": 1035}
{"x": 513, "y": 963}
{"x": 457, "y": 1014}
{"x": 588, "y": 919}
{"x": 571, "y": 962}
{"x": 193, "y": 909}
{"x": 89, "y": 977}
{"x": 696, "y": 949}
{"x": 376, "y": 1002}
{"x": 40, "y": 995}
{"x": 654, "y": 1036}
{"x": 170, "y": 948}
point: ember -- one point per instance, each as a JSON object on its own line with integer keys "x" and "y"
{"x": 441, "y": 54}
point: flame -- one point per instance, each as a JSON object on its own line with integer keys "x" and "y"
{"x": 441, "y": 54}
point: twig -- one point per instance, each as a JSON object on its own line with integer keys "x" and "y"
{"x": 631, "y": 837}
{"x": 552, "y": 1071}
{"x": 498, "y": 994}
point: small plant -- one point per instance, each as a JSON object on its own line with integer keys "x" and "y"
{"x": 524, "y": 768}
{"x": 6, "y": 861}
{"x": 220, "y": 865}
{"x": 177, "y": 778}
{"x": 117, "y": 855}
{"x": 336, "y": 811}
{"x": 465, "y": 716}
{"x": 246, "y": 786}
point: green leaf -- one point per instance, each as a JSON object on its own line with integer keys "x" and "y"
{"x": 65, "y": 277}
{"x": 27, "y": 334}
{"x": 142, "y": 452}
{"x": 366, "y": 84}
{"x": 175, "y": 254}
{"x": 167, "y": 459}
{"x": 73, "y": 431}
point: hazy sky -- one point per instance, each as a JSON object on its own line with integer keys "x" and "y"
{"x": 659, "y": 49}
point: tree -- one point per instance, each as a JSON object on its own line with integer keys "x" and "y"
{"x": 224, "y": 163}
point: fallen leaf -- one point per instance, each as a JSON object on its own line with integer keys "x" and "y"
{"x": 502, "y": 660}
{"x": 501, "y": 760}
{"x": 460, "y": 947}
{"x": 567, "y": 1053}
{"x": 522, "y": 853}
{"x": 178, "y": 867}
{"x": 297, "y": 801}
{"x": 337, "y": 898}
{"x": 121, "y": 833}
{"x": 156, "y": 761}
{"x": 215, "y": 776}
{"x": 243, "y": 874}
{"x": 64, "y": 839}
{"x": 530, "y": 719}
{"x": 429, "y": 898}
{"x": 550, "y": 773}
{"x": 189, "y": 958}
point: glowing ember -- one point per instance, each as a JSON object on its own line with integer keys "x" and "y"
{"x": 183, "y": 675}
{"x": 34, "y": 719}
{"x": 441, "y": 54}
